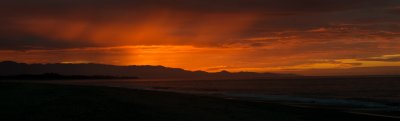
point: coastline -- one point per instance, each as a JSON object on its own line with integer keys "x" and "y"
{"x": 356, "y": 103}
{"x": 177, "y": 102}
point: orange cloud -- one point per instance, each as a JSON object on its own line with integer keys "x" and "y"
{"x": 162, "y": 27}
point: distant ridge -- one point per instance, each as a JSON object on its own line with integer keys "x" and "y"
{"x": 8, "y": 68}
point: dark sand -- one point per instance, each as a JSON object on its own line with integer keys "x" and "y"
{"x": 50, "y": 102}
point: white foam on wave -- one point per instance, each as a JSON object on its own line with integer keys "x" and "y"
{"x": 318, "y": 101}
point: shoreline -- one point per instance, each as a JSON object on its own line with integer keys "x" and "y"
{"x": 354, "y": 104}
{"x": 368, "y": 104}
{"x": 193, "y": 104}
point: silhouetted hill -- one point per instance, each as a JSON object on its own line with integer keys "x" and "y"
{"x": 13, "y": 68}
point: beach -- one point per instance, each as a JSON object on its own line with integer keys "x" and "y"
{"x": 27, "y": 101}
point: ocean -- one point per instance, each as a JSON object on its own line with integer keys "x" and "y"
{"x": 375, "y": 92}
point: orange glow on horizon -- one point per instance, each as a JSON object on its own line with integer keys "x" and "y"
{"x": 211, "y": 59}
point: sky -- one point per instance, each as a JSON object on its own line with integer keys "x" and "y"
{"x": 310, "y": 37}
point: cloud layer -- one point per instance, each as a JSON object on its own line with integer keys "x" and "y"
{"x": 259, "y": 35}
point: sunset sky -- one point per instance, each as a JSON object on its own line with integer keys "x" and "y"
{"x": 311, "y": 37}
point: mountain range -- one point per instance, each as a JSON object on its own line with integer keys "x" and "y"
{"x": 8, "y": 68}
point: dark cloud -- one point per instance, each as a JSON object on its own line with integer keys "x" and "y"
{"x": 270, "y": 16}
{"x": 394, "y": 10}
{"x": 112, "y": 8}
{"x": 278, "y": 6}
{"x": 37, "y": 43}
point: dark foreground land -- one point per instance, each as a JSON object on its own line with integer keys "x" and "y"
{"x": 49, "y": 102}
